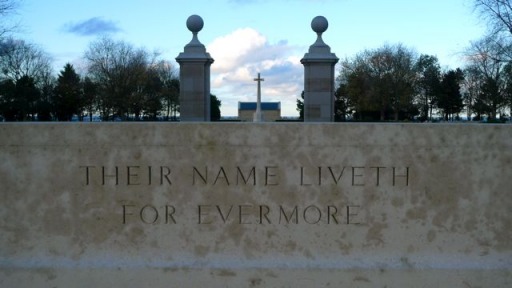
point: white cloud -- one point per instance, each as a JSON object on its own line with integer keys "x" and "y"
{"x": 240, "y": 55}
{"x": 228, "y": 49}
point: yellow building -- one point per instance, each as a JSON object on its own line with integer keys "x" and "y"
{"x": 271, "y": 111}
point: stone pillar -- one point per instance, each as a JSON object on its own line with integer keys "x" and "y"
{"x": 194, "y": 76}
{"x": 319, "y": 77}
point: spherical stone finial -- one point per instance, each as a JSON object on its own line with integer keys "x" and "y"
{"x": 195, "y": 23}
{"x": 319, "y": 24}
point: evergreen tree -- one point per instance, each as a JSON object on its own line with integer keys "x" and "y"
{"x": 8, "y": 108}
{"x": 45, "y": 105}
{"x": 491, "y": 95}
{"x": 21, "y": 100}
{"x": 89, "y": 98}
{"x": 67, "y": 94}
{"x": 449, "y": 97}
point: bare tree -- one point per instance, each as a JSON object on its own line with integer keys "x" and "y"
{"x": 120, "y": 71}
{"x": 497, "y": 13}
{"x": 487, "y": 55}
{"x": 19, "y": 58}
{"x": 403, "y": 78}
{"x": 486, "y": 58}
{"x": 471, "y": 90}
{"x": 7, "y": 8}
{"x": 170, "y": 87}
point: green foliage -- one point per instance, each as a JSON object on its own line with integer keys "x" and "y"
{"x": 300, "y": 106}
{"x": 215, "y": 104}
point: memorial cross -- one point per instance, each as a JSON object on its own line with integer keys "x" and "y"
{"x": 257, "y": 115}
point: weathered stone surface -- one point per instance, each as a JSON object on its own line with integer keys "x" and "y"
{"x": 195, "y": 65}
{"x": 248, "y": 205}
{"x": 319, "y": 77}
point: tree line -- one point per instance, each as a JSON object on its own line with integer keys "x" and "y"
{"x": 121, "y": 83}
{"x": 393, "y": 82}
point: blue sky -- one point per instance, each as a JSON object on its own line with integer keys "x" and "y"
{"x": 250, "y": 36}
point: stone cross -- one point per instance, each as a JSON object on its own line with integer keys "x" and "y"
{"x": 257, "y": 114}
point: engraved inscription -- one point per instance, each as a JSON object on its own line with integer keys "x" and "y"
{"x": 356, "y": 176}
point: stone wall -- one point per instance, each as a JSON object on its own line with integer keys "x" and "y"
{"x": 255, "y": 205}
